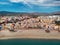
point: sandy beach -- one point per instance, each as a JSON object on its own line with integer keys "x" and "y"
{"x": 29, "y": 33}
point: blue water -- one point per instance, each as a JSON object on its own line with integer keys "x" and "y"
{"x": 29, "y": 42}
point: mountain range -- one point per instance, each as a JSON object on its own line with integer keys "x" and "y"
{"x": 6, "y": 13}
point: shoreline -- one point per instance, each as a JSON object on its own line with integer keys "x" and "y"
{"x": 53, "y": 38}
{"x": 29, "y": 34}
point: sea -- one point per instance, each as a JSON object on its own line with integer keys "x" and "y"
{"x": 29, "y": 42}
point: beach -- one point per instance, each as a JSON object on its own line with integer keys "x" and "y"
{"x": 29, "y": 34}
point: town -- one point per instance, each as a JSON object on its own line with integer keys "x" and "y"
{"x": 15, "y": 23}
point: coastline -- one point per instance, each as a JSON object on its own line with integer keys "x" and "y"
{"x": 29, "y": 34}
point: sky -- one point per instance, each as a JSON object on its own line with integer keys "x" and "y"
{"x": 30, "y": 5}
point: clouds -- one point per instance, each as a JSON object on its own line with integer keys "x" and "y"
{"x": 38, "y": 2}
{"x": 15, "y": 1}
{"x": 30, "y": 5}
{"x": 53, "y": 3}
{"x": 34, "y": 2}
{"x": 28, "y": 1}
{"x": 4, "y": 3}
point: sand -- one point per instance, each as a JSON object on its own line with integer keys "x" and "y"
{"x": 29, "y": 33}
